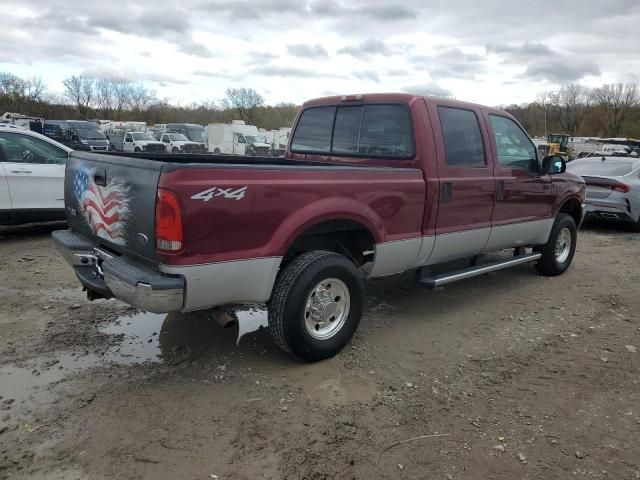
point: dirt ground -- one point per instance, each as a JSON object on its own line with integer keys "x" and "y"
{"x": 511, "y": 375}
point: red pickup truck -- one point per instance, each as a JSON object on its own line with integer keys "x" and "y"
{"x": 370, "y": 185}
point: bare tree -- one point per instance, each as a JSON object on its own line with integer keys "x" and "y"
{"x": 34, "y": 88}
{"x": 569, "y": 106}
{"x": 244, "y": 101}
{"x": 11, "y": 85}
{"x": 104, "y": 95}
{"x": 80, "y": 90}
{"x": 616, "y": 101}
{"x": 141, "y": 98}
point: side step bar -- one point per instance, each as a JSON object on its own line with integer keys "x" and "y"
{"x": 444, "y": 279}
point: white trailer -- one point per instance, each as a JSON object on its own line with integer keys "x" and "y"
{"x": 236, "y": 138}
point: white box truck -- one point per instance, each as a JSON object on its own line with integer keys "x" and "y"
{"x": 236, "y": 138}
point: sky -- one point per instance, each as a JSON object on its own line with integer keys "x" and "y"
{"x": 494, "y": 52}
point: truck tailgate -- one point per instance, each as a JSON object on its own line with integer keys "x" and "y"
{"x": 112, "y": 201}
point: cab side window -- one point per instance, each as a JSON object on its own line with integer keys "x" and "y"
{"x": 463, "y": 146}
{"x": 128, "y": 138}
{"x": 515, "y": 150}
{"x": 26, "y": 149}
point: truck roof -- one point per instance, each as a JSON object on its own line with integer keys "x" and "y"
{"x": 408, "y": 98}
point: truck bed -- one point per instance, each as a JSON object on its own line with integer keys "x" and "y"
{"x": 204, "y": 158}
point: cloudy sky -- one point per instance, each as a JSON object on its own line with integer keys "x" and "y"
{"x": 493, "y": 52}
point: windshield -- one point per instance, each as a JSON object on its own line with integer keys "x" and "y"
{"x": 88, "y": 133}
{"x": 142, "y": 136}
{"x": 178, "y": 137}
{"x": 255, "y": 139}
{"x": 596, "y": 167}
{"x": 196, "y": 134}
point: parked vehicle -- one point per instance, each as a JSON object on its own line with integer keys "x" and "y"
{"x": 370, "y": 186}
{"x": 22, "y": 121}
{"x": 277, "y": 139}
{"x": 31, "y": 177}
{"x": 193, "y": 132}
{"x": 77, "y": 135}
{"x": 178, "y": 143}
{"x": 141, "y": 142}
{"x": 236, "y": 138}
{"x": 613, "y": 188}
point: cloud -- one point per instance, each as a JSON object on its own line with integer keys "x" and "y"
{"x": 366, "y": 49}
{"x": 307, "y": 51}
{"x": 428, "y": 89}
{"x": 541, "y": 62}
{"x": 382, "y": 12}
{"x": 450, "y": 63}
{"x": 367, "y": 75}
{"x": 278, "y": 71}
{"x": 132, "y": 75}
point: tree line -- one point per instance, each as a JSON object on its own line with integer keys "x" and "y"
{"x": 85, "y": 98}
{"x": 611, "y": 110}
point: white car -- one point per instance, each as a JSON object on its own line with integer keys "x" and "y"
{"x": 31, "y": 177}
{"x": 141, "y": 142}
{"x": 178, "y": 143}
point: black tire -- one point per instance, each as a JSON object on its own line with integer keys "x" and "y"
{"x": 216, "y": 151}
{"x": 289, "y": 298}
{"x": 175, "y": 150}
{"x": 549, "y": 264}
{"x": 635, "y": 226}
{"x": 137, "y": 150}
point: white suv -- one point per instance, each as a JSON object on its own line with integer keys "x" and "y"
{"x": 31, "y": 177}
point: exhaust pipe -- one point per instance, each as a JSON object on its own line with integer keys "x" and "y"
{"x": 224, "y": 319}
{"x": 610, "y": 216}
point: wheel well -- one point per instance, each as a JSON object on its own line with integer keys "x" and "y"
{"x": 346, "y": 237}
{"x": 573, "y": 208}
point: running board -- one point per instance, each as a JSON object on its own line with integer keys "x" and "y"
{"x": 446, "y": 278}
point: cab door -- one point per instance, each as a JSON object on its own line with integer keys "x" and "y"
{"x": 34, "y": 172}
{"x": 524, "y": 195}
{"x": 467, "y": 183}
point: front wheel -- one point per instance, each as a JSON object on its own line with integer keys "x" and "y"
{"x": 558, "y": 253}
{"x": 175, "y": 150}
{"x": 316, "y": 305}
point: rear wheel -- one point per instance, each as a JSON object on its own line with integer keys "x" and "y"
{"x": 558, "y": 253}
{"x": 137, "y": 150}
{"x": 635, "y": 226}
{"x": 316, "y": 305}
{"x": 216, "y": 151}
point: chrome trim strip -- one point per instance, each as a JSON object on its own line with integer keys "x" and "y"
{"x": 445, "y": 279}
{"x": 535, "y": 232}
{"x": 238, "y": 281}
{"x": 395, "y": 257}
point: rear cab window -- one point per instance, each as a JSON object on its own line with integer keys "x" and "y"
{"x": 370, "y": 130}
{"x": 463, "y": 145}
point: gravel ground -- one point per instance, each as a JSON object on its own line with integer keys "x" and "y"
{"x": 511, "y": 375}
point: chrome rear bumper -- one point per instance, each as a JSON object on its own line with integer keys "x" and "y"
{"x": 111, "y": 276}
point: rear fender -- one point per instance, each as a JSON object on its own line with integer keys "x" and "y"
{"x": 336, "y": 208}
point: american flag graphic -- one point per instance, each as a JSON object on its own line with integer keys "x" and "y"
{"x": 104, "y": 208}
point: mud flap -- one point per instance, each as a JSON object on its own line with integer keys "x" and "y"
{"x": 250, "y": 321}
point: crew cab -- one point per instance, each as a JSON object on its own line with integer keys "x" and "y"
{"x": 141, "y": 142}
{"x": 371, "y": 185}
{"x": 178, "y": 143}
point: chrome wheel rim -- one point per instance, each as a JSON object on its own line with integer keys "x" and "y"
{"x": 563, "y": 245}
{"x": 327, "y": 308}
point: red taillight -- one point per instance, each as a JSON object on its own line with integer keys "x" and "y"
{"x": 169, "y": 231}
{"x": 622, "y": 187}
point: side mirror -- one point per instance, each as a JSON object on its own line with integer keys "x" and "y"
{"x": 554, "y": 164}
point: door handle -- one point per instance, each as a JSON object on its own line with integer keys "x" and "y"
{"x": 447, "y": 192}
{"x": 21, "y": 171}
{"x": 100, "y": 177}
{"x": 500, "y": 190}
